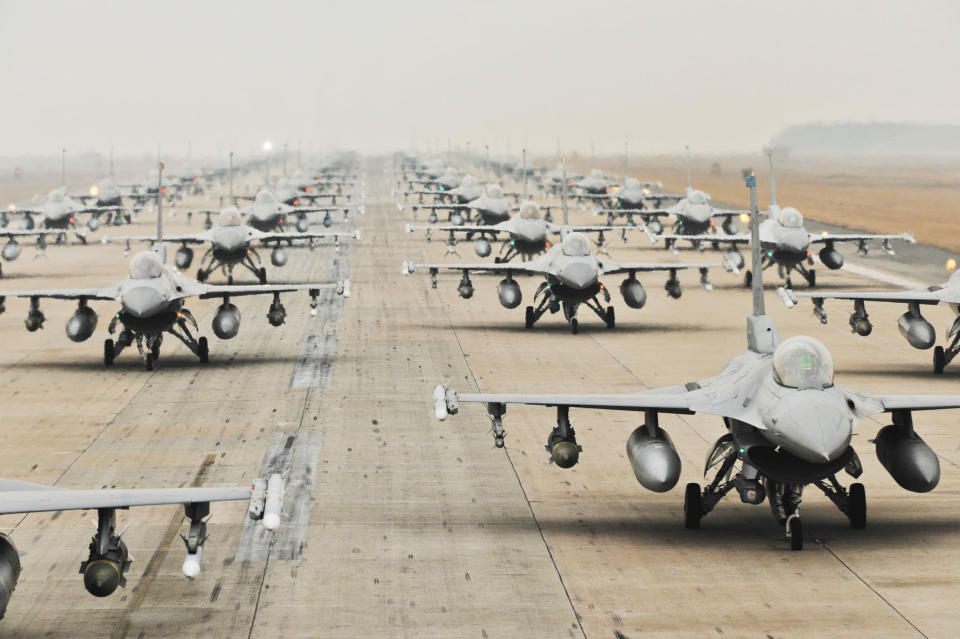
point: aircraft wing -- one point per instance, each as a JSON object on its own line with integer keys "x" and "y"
{"x": 271, "y": 237}
{"x": 24, "y": 497}
{"x": 706, "y": 237}
{"x": 111, "y": 292}
{"x": 666, "y": 403}
{"x": 436, "y": 207}
{"x": 891, "y": 403}
{"x": 10, "y": 233}
{"x": 458, "y": 228}
{"x": 640, "y": 212}
{"x": 206, "y": 291}
{"x": 608, "y": 267}
{"x": 530, "y": 267}
{"x": 858, "y": 237}
{"x": 727, "y": 212}
{"x": 920, "y": 296}
{"x": 193, "y": 238}
{"x": 99, "y": 209}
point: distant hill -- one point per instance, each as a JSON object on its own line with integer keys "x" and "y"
{"x": 870, "y": 139}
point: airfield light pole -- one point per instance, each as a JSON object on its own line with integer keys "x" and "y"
{"x": 625, "y": 156}
{"x": 161, "y": 249}
{"x": 299, "y": 156}
{"x": 63, "y": 168}
{"x": 111, "y": 163}
{"x": 751, "y": 181}
{"x": 563, "y": 191}
{"x": 773, "y": 187}
{"x": 231, "y": 202}
{"x": 689, "y": 174}
{"x": 486, "y": 148}
{"x": 284, "y": 159}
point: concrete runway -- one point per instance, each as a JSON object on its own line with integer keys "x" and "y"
{"x": 399, "y": 525}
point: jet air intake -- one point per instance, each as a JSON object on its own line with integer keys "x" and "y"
{"x": 11, "y": 250}
{"x": 9, "y": 571}
{"x": 654, "y": 459}
{"x": 908, "y": 459}
{"x": 226, "y": 323}
{"x": 81, "y": 324}
{"x": 278, "y": 257}
{"x": 184, "y": 257}
{"x": 483, "y": 249}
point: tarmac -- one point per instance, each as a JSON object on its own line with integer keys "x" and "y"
{"x": 397, "y": 525}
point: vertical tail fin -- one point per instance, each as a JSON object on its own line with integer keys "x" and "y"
{"x": 762, "y": 334}
{"x": 161, "y": 249}
{"x": 689, "y": 175}
{"x": 524, "y": 176}
{"x": 773, "y": 186}
{"x": 563, "y": 191}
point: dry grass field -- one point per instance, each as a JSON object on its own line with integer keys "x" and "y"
{"x": 889, "y": 198}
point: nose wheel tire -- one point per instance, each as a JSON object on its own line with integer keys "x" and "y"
{"x": 939, "y": 360}
{"x": 201, "y": 275}
{"x": 108, "y": 352}
{"x": 812, "y": 278}
{"x": 611, "y": 318}
{"x": 747, "y": 279}
{"x": 529, "y": 319}
{"x": 203, "y": 350}
{"x": 795, "y": 531}
{"x": 262, "y": 274}
{"x": 574, "y": 326}
{"x": 857, "y": 506}
{"x": 149, "y": 361}
{"x": 155, "y": 351}
{"x": 692, "y": 506}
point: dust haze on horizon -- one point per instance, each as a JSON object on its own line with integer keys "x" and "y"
{"x": 377, "y": 76}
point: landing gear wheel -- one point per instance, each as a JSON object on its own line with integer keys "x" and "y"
{"x": 812, "y": 278}
{"x": 574, "y": 326}
{"x": 497, "y": 260}
{"x": 747, "y": 278}
{"x": 692, "y": 507}
{"x": 108, "y": 352}
{"x": 529, "y": 319}
{"x": 203, "y": 350}
{"x": 149, "y": 361}
{"x": 939, "y": 360}
{"x": 795, "y": 529}
{"x": 201, "y": 275}
{"x": 155, "y": 351}
{"x": 262, "y": 274}
{"x": 857, "y": 506}
{"x": 611, "y": 318}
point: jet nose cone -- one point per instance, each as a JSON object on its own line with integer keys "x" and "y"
{"x": 814, "y": 425}
{"x": 579, "y": 274}
{"x": 795, "y": 241}
{"x": 230, "y": 239}
{"x": 143, "y": 300}
{"x": 699, "y": 212}
{"x": 532, "y": 232}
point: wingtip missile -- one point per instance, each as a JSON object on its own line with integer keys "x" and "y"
{"x": 786, "y": 296}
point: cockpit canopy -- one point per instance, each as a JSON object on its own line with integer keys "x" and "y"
{"x": 790, "y": 218}
{"x": 229, "y": 217}
{"x": 697, "y": 197}
{"x": 145, "y": 265}
{"x": 802, "y": 362}
{"x": 265, "y": 197}
{"x": 631, "y": 183}
{"x": 494, "y": 191}
{"x": 468, "y": 180}
{"x": 56, "y": 196}
{"x": 529, "y": 211}
{"x": 575, "y": 245}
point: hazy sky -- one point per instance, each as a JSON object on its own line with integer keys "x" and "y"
{"x": 721, "y": 76}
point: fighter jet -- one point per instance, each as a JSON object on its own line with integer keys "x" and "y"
{"x": 106, "y": 193}
{"x": 433, "y": 187}
{"x": 571, "y": 278}
{"x": 489, "y": 203}
{"x": 788, "y": 425}
{"x": 109, "y": 560}
{"x": 231, "y": 244}
{"x": 59, "y": 212}
{"x": 786, "y": 243}
{"x": 914, "y": 327}
{"x": 288, "y": 193}
{"x": 11, "y": 250}
{"x": 267, "y": 213}
{"x": 525, "y": 234}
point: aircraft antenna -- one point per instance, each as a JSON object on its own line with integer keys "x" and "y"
{"x": 161, "y": 249}
{"x": 689, "y": 175}
{"x": 773, "y": 186}
{"x": 563, "y": 191}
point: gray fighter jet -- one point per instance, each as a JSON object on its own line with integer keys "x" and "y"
{"x": 11, "y": 250}
{"x": 914, "y": 327}
{"x": 571, "y": 278}
{"x": 490, "y": 205}
{"x": 59, "y": 211}
{"x": 786, "y": 243}
{"x": 267, "y": 213}
{"x": 789, "y": 424}
{"x": 109, "y": 560}
{"x": 231, "y": 244}
{"x": 525, "y": 234}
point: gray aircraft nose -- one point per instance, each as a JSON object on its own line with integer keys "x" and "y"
{"x": 815, "y": 425}
{"x": 699, "y": 212}
{"x": 531, "y": 232}
{"x": 230, "y": 238}
{"x": 795, "y": 241}
{"x": 143, "y": 300}
{"x": 579, "y": 274}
